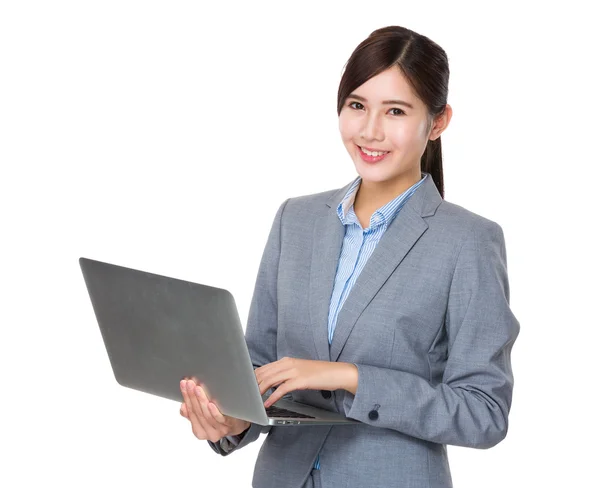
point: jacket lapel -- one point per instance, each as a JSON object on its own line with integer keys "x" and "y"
{"x": 396, "y": 242}
{"x": 327, "y": 239}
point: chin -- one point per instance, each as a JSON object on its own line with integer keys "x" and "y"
{"x": 377, "y": 171}
{"x": 374, "y": 178}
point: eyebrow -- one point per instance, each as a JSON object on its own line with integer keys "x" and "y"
{"x": 385, "y": 102}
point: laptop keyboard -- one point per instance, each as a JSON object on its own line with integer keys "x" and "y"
{"x": 273, "y": 411}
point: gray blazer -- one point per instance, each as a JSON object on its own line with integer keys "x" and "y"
{"x": 427, "y": 323}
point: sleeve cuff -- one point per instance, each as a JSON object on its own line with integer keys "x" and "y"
{"x": 228, "y": 444}
{"x": 357, "y": 406}
{"x": 348, "y": 401}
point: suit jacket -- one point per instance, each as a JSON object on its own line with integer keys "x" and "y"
{"x": 427, "y": 323}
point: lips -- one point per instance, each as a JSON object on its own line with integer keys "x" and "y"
{"x": 370, "y": 159}
{"x": 371, "y": 149}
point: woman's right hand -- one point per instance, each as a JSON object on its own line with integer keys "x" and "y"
{"x": 208, "y": 423}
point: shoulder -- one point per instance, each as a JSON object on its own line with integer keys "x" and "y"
{"x": 463, "y": 223}
{"x": 475, "y": 238}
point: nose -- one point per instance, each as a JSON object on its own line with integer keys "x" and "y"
{"x": 372, "y": 129}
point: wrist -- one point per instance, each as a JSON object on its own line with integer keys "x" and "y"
{"x": 351, "y": 378}
{"x": 245, "y": 429}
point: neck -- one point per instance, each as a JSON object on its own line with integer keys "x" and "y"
{"x": 372, "y": 195}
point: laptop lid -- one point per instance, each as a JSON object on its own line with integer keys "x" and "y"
{"x": 158, "y": 330}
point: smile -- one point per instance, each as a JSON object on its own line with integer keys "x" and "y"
{"x": 372, "y": 153}
{"x": 370, "y": 156}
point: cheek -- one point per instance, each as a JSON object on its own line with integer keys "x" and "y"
{"x": 423, "y": 128}
{"x": 397, "y": 137}
{"x": 405, "y": 137}
{"x": 348, "y": 128}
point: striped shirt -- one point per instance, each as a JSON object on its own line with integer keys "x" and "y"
{"x": 358, "y": 245}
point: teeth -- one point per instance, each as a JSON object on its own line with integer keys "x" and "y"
{"x": 377, "y": 153}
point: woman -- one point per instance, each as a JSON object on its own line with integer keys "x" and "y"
{"x": 379, "y": 300}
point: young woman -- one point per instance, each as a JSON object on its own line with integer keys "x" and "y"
{"x": 379, "y": 300}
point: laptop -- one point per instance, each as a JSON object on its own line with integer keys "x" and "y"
{"x": 158, "y": 330}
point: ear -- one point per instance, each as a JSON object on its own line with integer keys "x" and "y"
{"x": 440, "y": 123}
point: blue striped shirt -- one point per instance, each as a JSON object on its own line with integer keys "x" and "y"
{"x": 358, "y": 246}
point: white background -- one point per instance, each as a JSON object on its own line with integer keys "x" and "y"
{"x": 154, "y": 134}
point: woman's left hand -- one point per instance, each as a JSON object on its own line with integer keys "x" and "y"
{"x": 305, "y": 374}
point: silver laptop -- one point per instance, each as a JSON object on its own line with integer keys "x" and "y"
{"x": 158, "y": 330}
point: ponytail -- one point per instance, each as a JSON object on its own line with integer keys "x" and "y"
{"x": 431, "y": 162}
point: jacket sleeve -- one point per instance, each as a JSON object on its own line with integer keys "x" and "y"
{"x": 228, "y": 444}
{"x": 470, "y": 406}
{"x": 261, "y": 329}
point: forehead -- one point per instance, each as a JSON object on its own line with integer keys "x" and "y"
{"x": 390, "y": 83}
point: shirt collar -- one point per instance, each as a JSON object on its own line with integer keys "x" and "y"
{"x": 383, "y": 215}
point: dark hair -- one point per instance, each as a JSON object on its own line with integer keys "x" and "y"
{"x": 421, "y": 61}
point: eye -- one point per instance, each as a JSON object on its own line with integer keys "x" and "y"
{"x": 355, "y": 103}
{"x": 401, "y": 112}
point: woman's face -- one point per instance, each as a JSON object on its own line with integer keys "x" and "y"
{"x": 383, "y": 114}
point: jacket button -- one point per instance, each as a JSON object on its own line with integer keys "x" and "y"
{"x": 373, "y": 415}
{"x": 326, "y": 394}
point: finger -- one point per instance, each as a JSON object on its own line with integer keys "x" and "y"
{"x": 194, "y": 403}
{"x": 204, "y": 401}
{"x": 266, "y": 369}
{"x": 186, "y": 400}
{"x": 264, "y": 375}
{"x": 183, "y": 411}
{"x": 259, "y": 374}
{"x": 282, "y": 390}
{"x": 194, "y": 414}
{"x": 266, "y": 366}
{"x": 209, "y": 423}
{"x": 274, "y": 378}
{"x": 263, "y": 386}
{"x": 274, "y": 365}
{"x": 216, "y": 413}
